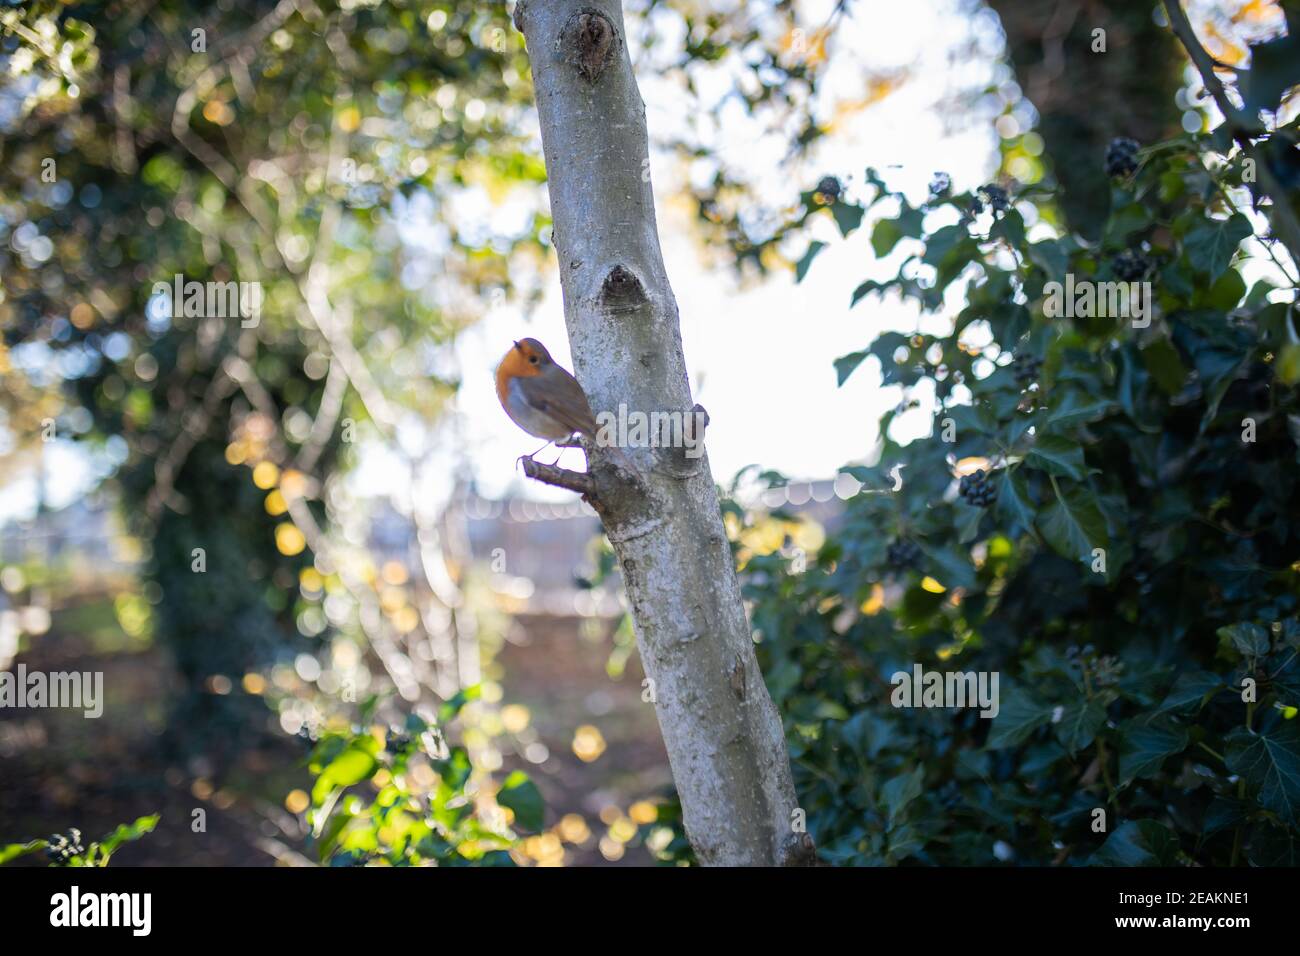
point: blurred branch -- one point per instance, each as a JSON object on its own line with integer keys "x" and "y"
{"x": 282, "y": 854}
{"x": 370, "y": 614}
{"x": 310, "y": 287}
{"x": 1204, "y": 63}
{"x": 327, "y": 416}
{"x": 1244, "y": 128}
{"x": 123, "y": 141}
{"x": 193, "y": 428}
{"x": 578, "y": 481}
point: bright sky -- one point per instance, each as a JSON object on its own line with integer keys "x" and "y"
{"x": 760, "y": 358}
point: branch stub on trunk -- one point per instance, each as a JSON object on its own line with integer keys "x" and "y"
{"x": 622, "y": 291}
{"x": 587, "y": 43}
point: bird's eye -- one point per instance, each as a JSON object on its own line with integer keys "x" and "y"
{"x": 533, "y": 359}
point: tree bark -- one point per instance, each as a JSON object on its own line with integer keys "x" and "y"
{"x": 722, "y": 731}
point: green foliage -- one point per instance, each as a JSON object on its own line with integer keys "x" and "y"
{"x": 1135, "y": 584}
{"x": 66, "y": 849}
{"x": 401, "y": 821}
{"x": 665, "y": 836}
{"x": 1274, "y": 68}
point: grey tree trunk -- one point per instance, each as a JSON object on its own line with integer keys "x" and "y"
{"x": 723, "y": 733}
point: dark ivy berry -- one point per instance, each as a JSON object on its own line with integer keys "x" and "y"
{"x": 941, "y": 185}
{"x": 903, "y": 554}
{"x": 997, "y": 197}
{"x": 830, "y": 188}
{"x": 1130, "y": 265}
{"x": 977, "y": 490}
{"x": 1121, "y": 157}
{"x": 1026, "y": 368}
{"x": 397, "y": 743}
{"x": 63, "y": 848}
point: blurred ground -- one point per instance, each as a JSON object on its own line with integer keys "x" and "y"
{"x": 63, "y": 770}
{"x": 556, "y": 668}
{"x": 60, "y": 770}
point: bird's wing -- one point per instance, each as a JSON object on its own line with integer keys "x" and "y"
{"x": 562, "y": 398}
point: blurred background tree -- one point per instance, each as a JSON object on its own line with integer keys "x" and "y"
{"x": 277, "y": 146}
{"x": 1088, "y": 87}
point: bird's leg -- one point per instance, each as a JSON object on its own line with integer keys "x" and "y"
{"x": 572, "y": 441}
{"x": 532, "y": 456}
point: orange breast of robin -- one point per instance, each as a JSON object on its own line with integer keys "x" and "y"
{"x": 513, "y": 365}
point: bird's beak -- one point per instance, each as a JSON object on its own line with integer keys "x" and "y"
{"x": 518, "y": 346}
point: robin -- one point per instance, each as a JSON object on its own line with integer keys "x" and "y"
{"x": 541, "y": 397}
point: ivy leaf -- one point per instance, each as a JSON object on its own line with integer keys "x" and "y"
{"x": 952, "y": 565}
{"x": 866, "y": 288}
{"x": 845, "y": 366}
{"x": 1074, "y": 408}
{"x": 1190, "y": 692}
{"x": 1018, "y": 717}
{"x": 1052, "y": 257}
{"x": 970, "y": 418}
{"x": 848, "y": 216}
{"x": 1274, "y": 69}
{"x": 1125, "y": 221}
{"x": 1224, "y": 294}
{"x": 968, "y": 523}
{"x": 939, "y": 243}
{"x": 1145, "y": 743}
{"x": 1073, "y": 525}
{"x": 1011, "y": 227}
{"x": 904, "y": 842}
{"x": 1273, "y": 846}
{"x": 1138, "y": 843}
{"x": 1248, "y": 638}
{"x": 127, "y": 832}
{"x": 1291, "y": 633}
{"x": 1224, "y": 812}
{"x": 1014, "y": 502}
{"x": 1270, "y": 763}
{"x": 900, "y": 791}
{"x": 350, "y": 767}
{"x": 1211, "y": 244}
{"x": 1058, "y": 455}
{"x": 1079, "y": 723}
{"x": 519, "y": 794}
{"x": 1164, "y": 363}
{"x": 885, "y": 236}
{"x": 14, "y": 850}
{"x": 451, "y": 707}
{"x": 801, "y": 269}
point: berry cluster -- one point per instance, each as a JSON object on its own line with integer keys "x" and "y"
{"x": 62, "y": 848}
{"x": 997, "y": 197}
{"x": 829, "y": 187}
{"x": 1026, "y": 368}
{"x": 397, "y": 743}
{"x": 941, "y": 185}
{"x": 903, "y": 554}
{"x": 1121, "y": 157}
{"x": 1130, "y": 265}
{"x": 977, "y": 489}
